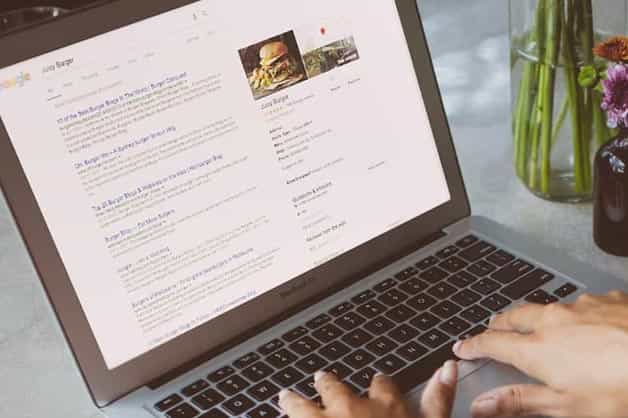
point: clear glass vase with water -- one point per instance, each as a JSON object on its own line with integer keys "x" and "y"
{"x": 557, "y": 123}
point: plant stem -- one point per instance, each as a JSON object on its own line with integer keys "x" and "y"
{"x": 537, "y": 108}
{"x": 590, "y": 111}
{"x": 554, "y": 25}
{"x": 562, "y": 115}
{"x": 575, "y": 99}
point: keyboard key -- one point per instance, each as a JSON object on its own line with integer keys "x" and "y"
{"x": 474, "y": 332}
{"x": 340, "y": 370}
{"x": 455, "y": 326}
{"x": 363, "y": 378}
{"x": 481, "y": 268}
{"x": 232, "y": 385}
{"x": 421, "y": 302}
{"x": 390, "y": 364}
{"x": 371, "y": 309}
{"x": 263, "y": 411}
{"x": 512, "y": 271}
{"x": 294, "y": 334}
{"x": 341, "y": 309}
{"x": 334, "y": 351}
{"x": 541, "y": 297}
{"x": 358, "y": 359}
{"x": 392, "y": 297}
{"x": 462, "y": 279}
{"x": 425, "y": 321}
{"x": 257, "y": 372}
{"x": 403, "y": 333}
{"x": 566, "y": 290}
{"x": 363, "y": 297}
{"x": 495, "y": 302}
{"x": 500, "y": 258}
{"x": 527, "y": 284}
{"x": 385, "y": 285}
{"x": 194, "y": 388}
{"x": 477, "y": 251}
{"x": 214, "y": 413}
{"x": 446, "y": 309}
{"x": 379, "y": 326}
{"x": 413, "y": 286}
{"x": 357, "y": 338}
{"x": 238, "y": 404}
{"x": 486, "y": 286}
{"x": 466, "y": 298}
{"x": 182, "y": 411}
{"x": 434, "y": 275}
{"x": 412, "y": 351}
{"x": 447, "y": 252}
{"x": 220, "y": 374}
{"x": 281, "y": 358}
{"x": 311, "y": 364}
{"x": 263, "y": 390}
{"x": 433, "y": 338}
{"x": 270, "y": 347}
{"x": 442, "y": 290}
{"x": 246, "y": 360}
{"x": 453, "y": 264}
{"x": 422, "y": 370}
{"x": 287, "y": 377}
{"x": 467, "y": 241}
{"x": 381, "y": 346}
{"x": 475, "y": 314}
{"x": 400, "y": 313}
{"x": 406, "y": 274}
{"x": 305, "y": 345}
{"x": 349, "y": 321}
{"x": 427, "y": 262}
{"x": 168, "y": 402}
{"x": 306, "y": 387}
{"x": 317, "y": 322}
{"x": 327, "y": 333}
{"x": 208, "y": 399}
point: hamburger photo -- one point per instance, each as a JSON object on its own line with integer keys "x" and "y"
{"x": 275, "y": 65}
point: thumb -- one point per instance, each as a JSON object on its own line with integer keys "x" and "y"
{"x": 520, "y": 401}
{"x": 438, "y": 397}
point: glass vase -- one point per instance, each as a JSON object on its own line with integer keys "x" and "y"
{"x": 557, "y": 123}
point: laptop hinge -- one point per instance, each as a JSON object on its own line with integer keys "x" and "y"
{"x": 181, "y": 370}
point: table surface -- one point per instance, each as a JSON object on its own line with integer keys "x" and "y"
{"x": 470, "y": 45}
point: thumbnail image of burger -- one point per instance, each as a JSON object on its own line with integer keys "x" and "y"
{"x": 273, "y": 65}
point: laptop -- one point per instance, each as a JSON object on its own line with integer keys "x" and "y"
{"x": 222, "y": 198}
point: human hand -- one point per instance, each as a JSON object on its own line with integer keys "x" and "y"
{"x": 384, "y": 400}
{"x": 579, "y": 351}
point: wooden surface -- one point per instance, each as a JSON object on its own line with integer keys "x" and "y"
{"x": 18, "y": 4}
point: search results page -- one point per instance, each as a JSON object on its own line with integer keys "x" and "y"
{"x": 196, "y": 160}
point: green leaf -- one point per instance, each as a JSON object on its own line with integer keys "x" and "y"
{"x": 588, "y": 76}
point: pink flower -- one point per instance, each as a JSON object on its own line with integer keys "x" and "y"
{"x": 615, "y": 101}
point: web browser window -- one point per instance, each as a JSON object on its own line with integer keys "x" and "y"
{"x": 198, "y": 159}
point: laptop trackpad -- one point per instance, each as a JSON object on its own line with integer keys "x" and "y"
{"x": 475, "y": 380}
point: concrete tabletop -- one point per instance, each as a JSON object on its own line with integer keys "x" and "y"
{"x": 469, "y": 41}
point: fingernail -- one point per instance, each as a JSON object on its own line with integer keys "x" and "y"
{"x": 319, "y": 375}
{"x": 283, "y": 394}
{"x": 448, "y": 373}
{"x": 492, "y": 319}
{"x": 457, "y": 346}
{"x": 484, "y": 408}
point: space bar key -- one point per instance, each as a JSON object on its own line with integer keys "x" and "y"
{"x": 422, "y": 370}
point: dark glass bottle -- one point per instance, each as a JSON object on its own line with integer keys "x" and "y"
{"x": 611, "y": 196}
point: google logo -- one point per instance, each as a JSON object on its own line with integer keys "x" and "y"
{"x": 17, "y": 81}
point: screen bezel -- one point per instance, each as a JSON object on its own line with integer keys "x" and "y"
{"x": 107, "y": 385}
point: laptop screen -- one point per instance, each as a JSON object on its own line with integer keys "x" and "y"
{"x": 193, "y": 161}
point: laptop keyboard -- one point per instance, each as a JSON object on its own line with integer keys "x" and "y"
{"x": 404, "y": 327}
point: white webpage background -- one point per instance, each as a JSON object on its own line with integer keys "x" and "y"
{"x": 384, "y": 120}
